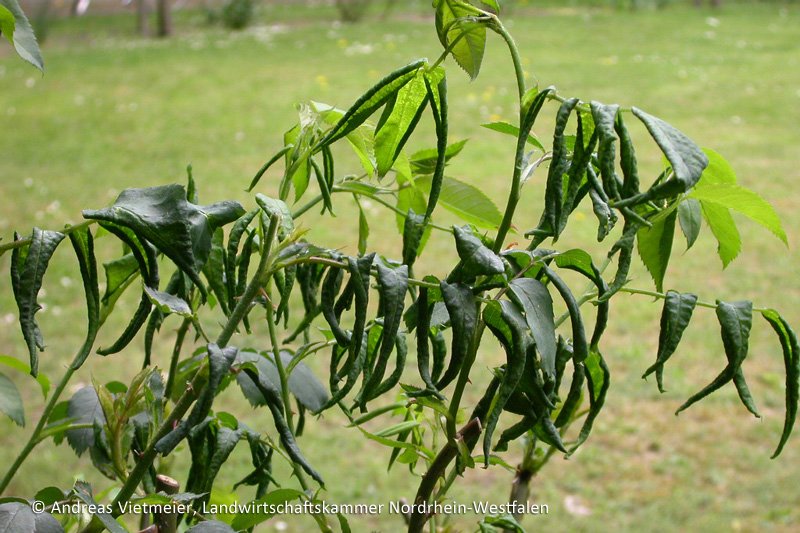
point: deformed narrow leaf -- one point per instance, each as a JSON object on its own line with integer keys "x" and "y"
{"x": 690, "y": 216}
{"x": 167, "y": 303}
{"x": 791, "y": 359}
{"x": 28, "y": 266}
{"x": 675, "y": 317}
{"x": 461, "y": 306}
{"x": 476, "y": 259}
{"x": 598, "y": 378}
{"x": 510, "y": 129}
{"x": 83, "y": 244}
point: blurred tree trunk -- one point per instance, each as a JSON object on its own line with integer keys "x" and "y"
{"x": 352, "y": 10}
{"x": 714, "y": 3}
{"x": 142, "y": 17}
{"x": 164, "y": 18}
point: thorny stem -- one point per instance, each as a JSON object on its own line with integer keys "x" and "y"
{"x": 194, "y": 388}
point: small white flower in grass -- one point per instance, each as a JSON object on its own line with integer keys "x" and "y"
{"x": 39, "y": 215}
{"x": 112, "y": 193}
{"x": 42, "y": 293}
{"x": 28, "y": 182}
{"x": 638, "y": 58}
{"x": 133, "y": 106}
{"x": 741, "y": 44}
{"x": 712, "y": 21}
{"x": 2, "y": 71}
{"x": 239, "y": 136}
{"x": 736, "y": 119}
{"x": 11, "y": 111}
{"x": 9, "y": 318}
{"x": 3, "y": 223}
{"x": 54, "y": 206}
{"x": 710, "y": 35}
{"x": 66, "y": 281}
{"x": 56, "y": 310}
{"x": 30, "y": 82}
{"x": 281, "y": 526}
{"x": 79, "y": 99}
{"x": 576, "y": 507}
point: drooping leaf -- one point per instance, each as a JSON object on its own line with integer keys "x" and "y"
{"x": 690, "y": 216}
{"x": 83, "y": 244}
{"x": 214, "y": 270}
{"x": 688, "y": 160}
{"x": 461, "y": 306}
{"x": 535, "y": 300}
{"x": 11, "y": 402}
{"x": 791, "y": 359}
{"x": 675, "y": 317}
{"x": 436, "y": 84}
{"x": 598, "y": 378}
{"x": 28, "y": 266}
{"x": 180, "y": 230}
{"x": 271, "y": 206}
{"x": 466, "y": 201}
{"x": 655, "y": 247}
{"x": 23, "y": 38}
{"x": 744, "y": 201}
{"x": 476, "y": 259}
{"x": 605, "y": 118}
{"x": 723, "y": 227}
{"x": 41, "y": 379}
{"x": 735, "y": 321}
{"x": 303, "y": 383}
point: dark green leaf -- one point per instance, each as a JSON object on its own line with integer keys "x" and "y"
{"x": 271, "y": 207}
{"x": 83, "y": 408}
{"x": 437, "y": 94}
{"x": 363, "y": 230}
{"x": 580, "y": 346}
{"x": 535, "y": 300}
{"x": 180, "y": 230}
{"x": 83, "y": 244}
{"x": 11, "y": 401}
{"x": 167, "y": 303}
{"x": 675, "y": 317}
{"x": 16, "y": 517}
{"x": 690, "y": 215}
{"x": 599, "y": 379}
{"x": 211, "y": 526}
{"x": 461, "y": 306}
{"x": 655, "y": 247}
{"x": 24, "y": 39}
{"x": 214, "y": 270}
{"x": 28, "y": 266}
{"x": 118, "y": 273}
{"x": 605, "y": 119}
{"x": 476, "y": 259}
{"x": 686, "y": 158}
{"x": 413, "y": 232}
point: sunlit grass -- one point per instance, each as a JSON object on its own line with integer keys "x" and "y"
{"x": 115, "y": 111}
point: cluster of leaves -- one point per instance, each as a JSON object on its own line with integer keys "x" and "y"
{"x": 550, "y": 381}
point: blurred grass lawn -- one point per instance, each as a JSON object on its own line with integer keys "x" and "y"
{"x": 116, "y": 111}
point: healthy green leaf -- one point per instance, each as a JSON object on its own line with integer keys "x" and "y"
{"x": 28, "y": 266}
{"x": 424, "y": 161}
{"x": 11, "y": 402}
{"x": 465, "y": 39}
{"x": 675, "y": 317}
{"x": 717, "y": 171}
{"x": 723, "y": 227}
{"x": 393, "y": 132}
{"x": 7, "y": 23}
{"x": 744, "y": 201}
{"x": 16, "y": 364}
{"x": 180, "y": 230}
{"x": 535, "y": 300}
{"x": 690, "y": 215}
{"x": 510, "y": 129}
{"x": 466, "y": 201}
{"x": 24, "y": 39}
{"x": 655, "y": 247}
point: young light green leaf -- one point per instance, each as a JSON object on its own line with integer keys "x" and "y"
{"x": 723, "y": 227}
{"x": 465, "y": 39}
{"x": 744, "y": 201}
{"x": 11, "y": 401}
{"x": 510, "y": 129}
{"x": 167, "y": 303}
{"x": 791, "y": 359}
{"x": 370, "y": 101}
{"x": 180, "y": 230}
{"x": 655, "y": 247}
{"x": 28, "y": 266}
{"x": 535, "y": 300}
{"x": 23, "y": 38}
{"x": 7, "y": 23}
{"x": 16, "y": 364}
{"x": 393, "y": 132}
{"x": 363, "y": 230}
{"x": 688, "y": 161}
{"x": 717, "y": 171}
{"x": 424, "y": 162}
{"x": 675, "y": 317}
{"x": 250, "y": 519}
{"x": 467, "y": 202}
{"x": 690, "y": 216}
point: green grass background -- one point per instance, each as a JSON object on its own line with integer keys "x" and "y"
{"x": 114, "y": 111}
